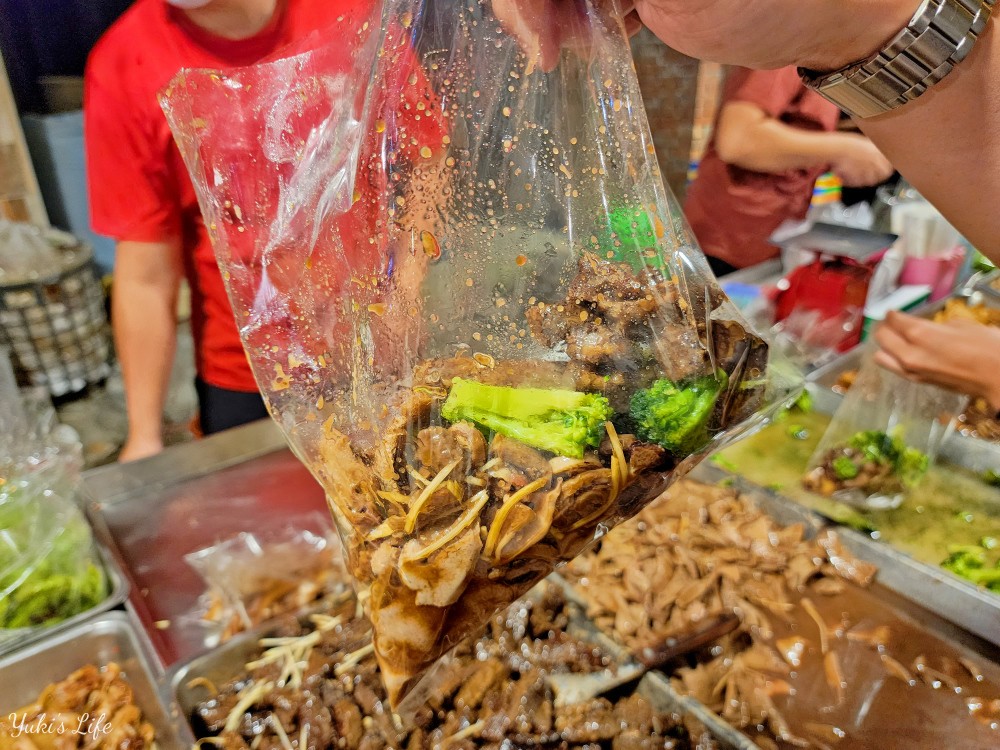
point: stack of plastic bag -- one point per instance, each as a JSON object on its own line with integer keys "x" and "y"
{"x": 468, "y": 299}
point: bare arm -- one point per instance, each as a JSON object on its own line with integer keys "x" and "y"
{"x": 144, "y": 318}
{"x": 947, "y": 144}
{"x": 750, "y": 138}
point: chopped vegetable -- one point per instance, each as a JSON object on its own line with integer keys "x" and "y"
{"x": 969, "y": 562}
{"x": 845, "y": 468}
{"x": 562, "y": 422}
{"x": 909, "y": 464}
{"x": 675, "y": 415}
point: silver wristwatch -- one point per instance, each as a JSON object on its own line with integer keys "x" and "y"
{"x": 940, "y": 35}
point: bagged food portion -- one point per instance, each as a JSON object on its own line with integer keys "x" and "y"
{"x": 253, "y": 578}
{"x": 883, "y": 438}
{"x": 49, "y": 568}
{"x": 468, "y": 300}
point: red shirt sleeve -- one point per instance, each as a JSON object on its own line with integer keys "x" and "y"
{"x": 771, "y": 90}
{"x": 133, "y": 193}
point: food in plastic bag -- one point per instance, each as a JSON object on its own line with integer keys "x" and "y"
{"x": 253, "y": 578}
{"x": 883, "y": 438}
{"x": 49, "y": 568}
{"x": 468, "y": 300}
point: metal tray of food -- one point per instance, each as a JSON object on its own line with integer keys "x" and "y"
{"x": 99, "y": 641}
{"x": 118, "y": 590}
{"x": 152, "y": 513}
{"x": 187, "y": 682}
{"x": 913, "y": 594}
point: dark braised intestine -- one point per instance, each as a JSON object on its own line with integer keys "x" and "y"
{"x": 444, "y": 529}
{"x": 490, "y": 694}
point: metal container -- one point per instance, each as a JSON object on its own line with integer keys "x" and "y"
{"x": 925, "y": 588}
{"x": 56, "y": 327}
{"x": 118, "y": 590}
{"x": 226, "y": 662}
{"x": 109, "y": 638}
{"x": 152, "y": 513}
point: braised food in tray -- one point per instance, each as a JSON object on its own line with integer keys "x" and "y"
{"x": 93, "y": 708}
{"x": 316, "y": 685}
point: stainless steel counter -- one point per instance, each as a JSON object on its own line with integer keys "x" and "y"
{"x": 154, "y": 512}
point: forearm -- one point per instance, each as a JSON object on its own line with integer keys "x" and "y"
{"x": 771, "y": 146}
{"x": 946, "y": 144}
{"x": 145, "y": 329}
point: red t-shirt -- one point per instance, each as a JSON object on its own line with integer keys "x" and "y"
{"x": 139, "y": 187}
{"x": 733, "y": 211}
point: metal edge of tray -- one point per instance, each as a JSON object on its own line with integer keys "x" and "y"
{"x": 68, "y": 646}
{"x": 118, "y": 591}
{"x": 179, "y": 463}
{"x": 956, "y": 601}
{"x": 223, "y": 663}
{"x": 929, "y": 587}
{"x": 587, "y": 630}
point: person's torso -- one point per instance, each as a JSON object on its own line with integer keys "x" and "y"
{"x": 154, "y": 42}
{"x": 734, "y": 211}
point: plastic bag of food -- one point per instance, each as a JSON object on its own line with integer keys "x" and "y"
{"x": 252, "y": 578}
{"x": 884, "y": 437}
{"x": 49, "y": 568}
{"x": 468, "y": 300}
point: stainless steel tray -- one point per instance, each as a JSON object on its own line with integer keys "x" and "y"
{"x": 964, "y": 612}
{"x": 108, "y": 638}
{"x": 152, "y": 513}
{"x": 226, "y": 662}
{"x": 118, "y": 589}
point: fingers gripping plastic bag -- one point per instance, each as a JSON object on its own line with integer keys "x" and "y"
{"x": 884, "y": 437}
{"x": 468, "y": 300}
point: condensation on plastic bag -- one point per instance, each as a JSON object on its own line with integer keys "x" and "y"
{"x": 407, "y": 217}
{"x": 254, "y": 577}
{"x": 49, "y": 568}
{"x": 884, "y": 437}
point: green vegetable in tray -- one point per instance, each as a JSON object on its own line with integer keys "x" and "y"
{"x": 48, "y": 569}
{"x": 844, "y": 468}
{"x": 675, "y": 415}
{"x": 969, "y": 562}
{"x": 563, "y": 422}
{"x": 909, "y": 464}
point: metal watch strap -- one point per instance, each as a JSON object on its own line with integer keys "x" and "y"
{"x": 940, "y": 35}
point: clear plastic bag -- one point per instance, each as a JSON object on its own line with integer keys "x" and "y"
{"x": 49, "y": 567}
{"x": 252, "y": 578}
{"x": 884, "y": 437}
{"x": 468, "y": 299}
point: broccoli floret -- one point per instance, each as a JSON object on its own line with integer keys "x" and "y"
{"x": 675, "y": 415}
{"x": 845, "y": 468}
{"x": 969, "y": 562}
{"x": 907, "y": 463}
{"x": 559, "y": 421}
{"x": 992, "y": 477}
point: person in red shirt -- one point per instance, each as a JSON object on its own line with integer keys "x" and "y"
{"x": 141, "y": 195}
{"x": 773, "y": 138}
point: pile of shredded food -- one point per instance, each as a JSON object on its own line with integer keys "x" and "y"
{"x": 317, "y": 685}
{"x": 93, "y": 708}
{"x": 813, "y": 658}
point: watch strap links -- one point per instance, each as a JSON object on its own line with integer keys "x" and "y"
{"x": 940, "y": 35}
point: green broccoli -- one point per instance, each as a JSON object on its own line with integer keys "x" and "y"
{"x": 969, "y": 562}
{"x": 908, "y": 464}
{"x": 845, "y": 468}
{"x": 559, "y": 421}
{"x": 675, "y": 415}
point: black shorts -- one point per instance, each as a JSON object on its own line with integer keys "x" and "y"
{"x": 220, "y": 409}
{"x": 719, "y": 267}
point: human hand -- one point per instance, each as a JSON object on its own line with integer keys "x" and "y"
{"x": 959, "y": 355}
{"x": 860, "y": 163}
{"x": 137, "y": 448}
{"x": 822, "y": 35}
